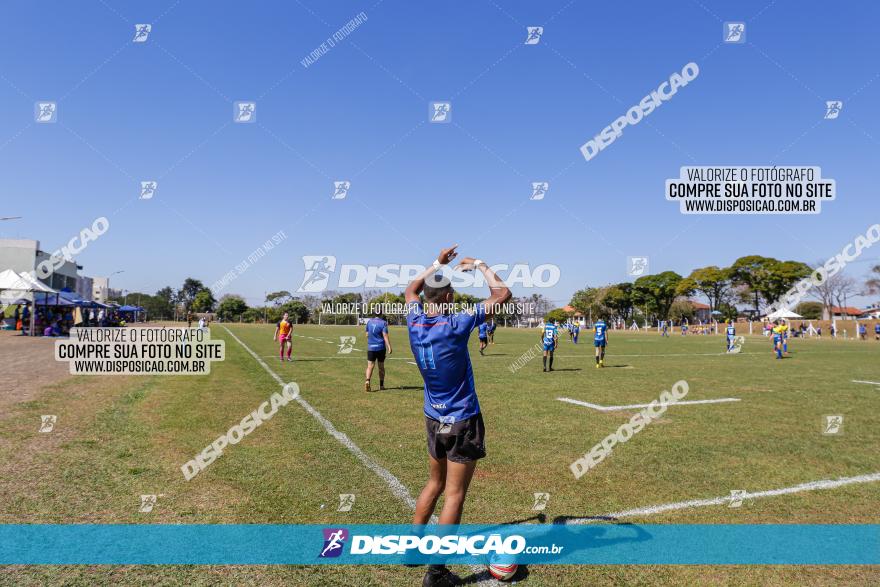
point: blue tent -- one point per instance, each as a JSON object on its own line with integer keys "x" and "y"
{"x": 68, "y": 298}
{"x": 47, "y": 299}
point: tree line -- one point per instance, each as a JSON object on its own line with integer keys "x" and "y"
{"x": 754, "y": 281}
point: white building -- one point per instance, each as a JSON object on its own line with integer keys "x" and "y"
{"x": 84, "y": 287}
{"x": 23, "y": 256}
{"x": 100, "y": 289}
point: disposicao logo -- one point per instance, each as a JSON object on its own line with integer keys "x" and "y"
{"x": 334, "y": 541}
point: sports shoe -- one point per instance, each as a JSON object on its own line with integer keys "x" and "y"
{"x": 367, "y": 386}
{"x": 381, "y": 387}
{"x": 438, "y": 576}
{"x": 597, "y": 365}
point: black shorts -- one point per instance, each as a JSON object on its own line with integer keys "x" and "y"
{"x": 376, "y": 356}
{"x": 461, "y": 442}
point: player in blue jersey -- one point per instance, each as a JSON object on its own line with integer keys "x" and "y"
{"x": 483, "y": 333}
{"x": 549, "y": 338}
{"x": 731, "y": 335}
{"x": 600, "y": 340}
{"x": 777, "y": 333}
{"x": 377, "y": 345}
{"x": 455, "y": 430}
{"x": 877, "y": 331}
{"x": 575, "y": 330}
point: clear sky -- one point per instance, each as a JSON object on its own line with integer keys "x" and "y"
{"x": 162, "y": 110}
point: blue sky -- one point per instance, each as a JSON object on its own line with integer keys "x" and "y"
{"x": 163, "y": 110}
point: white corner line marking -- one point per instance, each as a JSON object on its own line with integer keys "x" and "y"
{"x": 666, "y": 507}
{"x": 868, "y": 382}
{"x": 633, "y": 406}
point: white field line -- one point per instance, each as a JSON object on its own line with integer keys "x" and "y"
{"x": 666, "y": 507}
{"x": 868, "y": 382}
{"x": 397, "y": 488}
{"x": 633, "y": 406}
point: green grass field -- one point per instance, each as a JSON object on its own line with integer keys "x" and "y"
{"x": 120, "y": 437}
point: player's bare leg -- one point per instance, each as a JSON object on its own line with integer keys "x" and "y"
{"x": 458, "y": 479}
{"x": 369, "y": 376}
{"x": 381, "y": 375}
{"x": 432, "y": 491}
{"x": 425, "y": 504}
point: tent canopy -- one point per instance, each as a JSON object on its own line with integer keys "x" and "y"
{"x": 9, "y": 279}
{"x": 782, "y": 313}
{"x": 131, "y": 309}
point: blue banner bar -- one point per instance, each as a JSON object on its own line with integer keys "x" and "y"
{"x": 259, "y": 544}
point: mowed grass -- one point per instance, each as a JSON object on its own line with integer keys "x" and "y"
{"x": 120, "y": 437}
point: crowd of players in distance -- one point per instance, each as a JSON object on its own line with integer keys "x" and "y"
{"x": 379, "y": 346}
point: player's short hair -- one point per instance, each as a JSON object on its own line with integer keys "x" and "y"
{"x": 437, "y": 294}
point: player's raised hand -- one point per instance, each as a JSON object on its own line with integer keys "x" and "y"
{"x": 447, "y": 255}
{"x": 466, "y": 264}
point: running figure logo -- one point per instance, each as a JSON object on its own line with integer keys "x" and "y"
{"x": 317, "y": 273}
{"x": 446, "y": 423}
{"x": 541, "y": 500}
{"x": 340, "y": 189}
{"x": 636, "y": 266}
{"x": 148, "y": 189}
{"x": 833, "y": 425}
{"x": 737, "y": 345}
{"x": 148, "y": 502}
{"x": 334, "y": 541}
{"x": 734, "y": 32}
{"x": 346, "y": 501}
{"x": 141, "y": 32}
{"x": 441, "y": 112}
{"x": 245, "y": 112}
{"x": 832, "y": 109}
{"x": 736, "y": 497}
{"x": 47, "y": 423}
{"x": 539, "y": 190}
{"x": 346, "y": 345}
{"x": 533, "y": 36}
{"x": 45, "y": 112}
